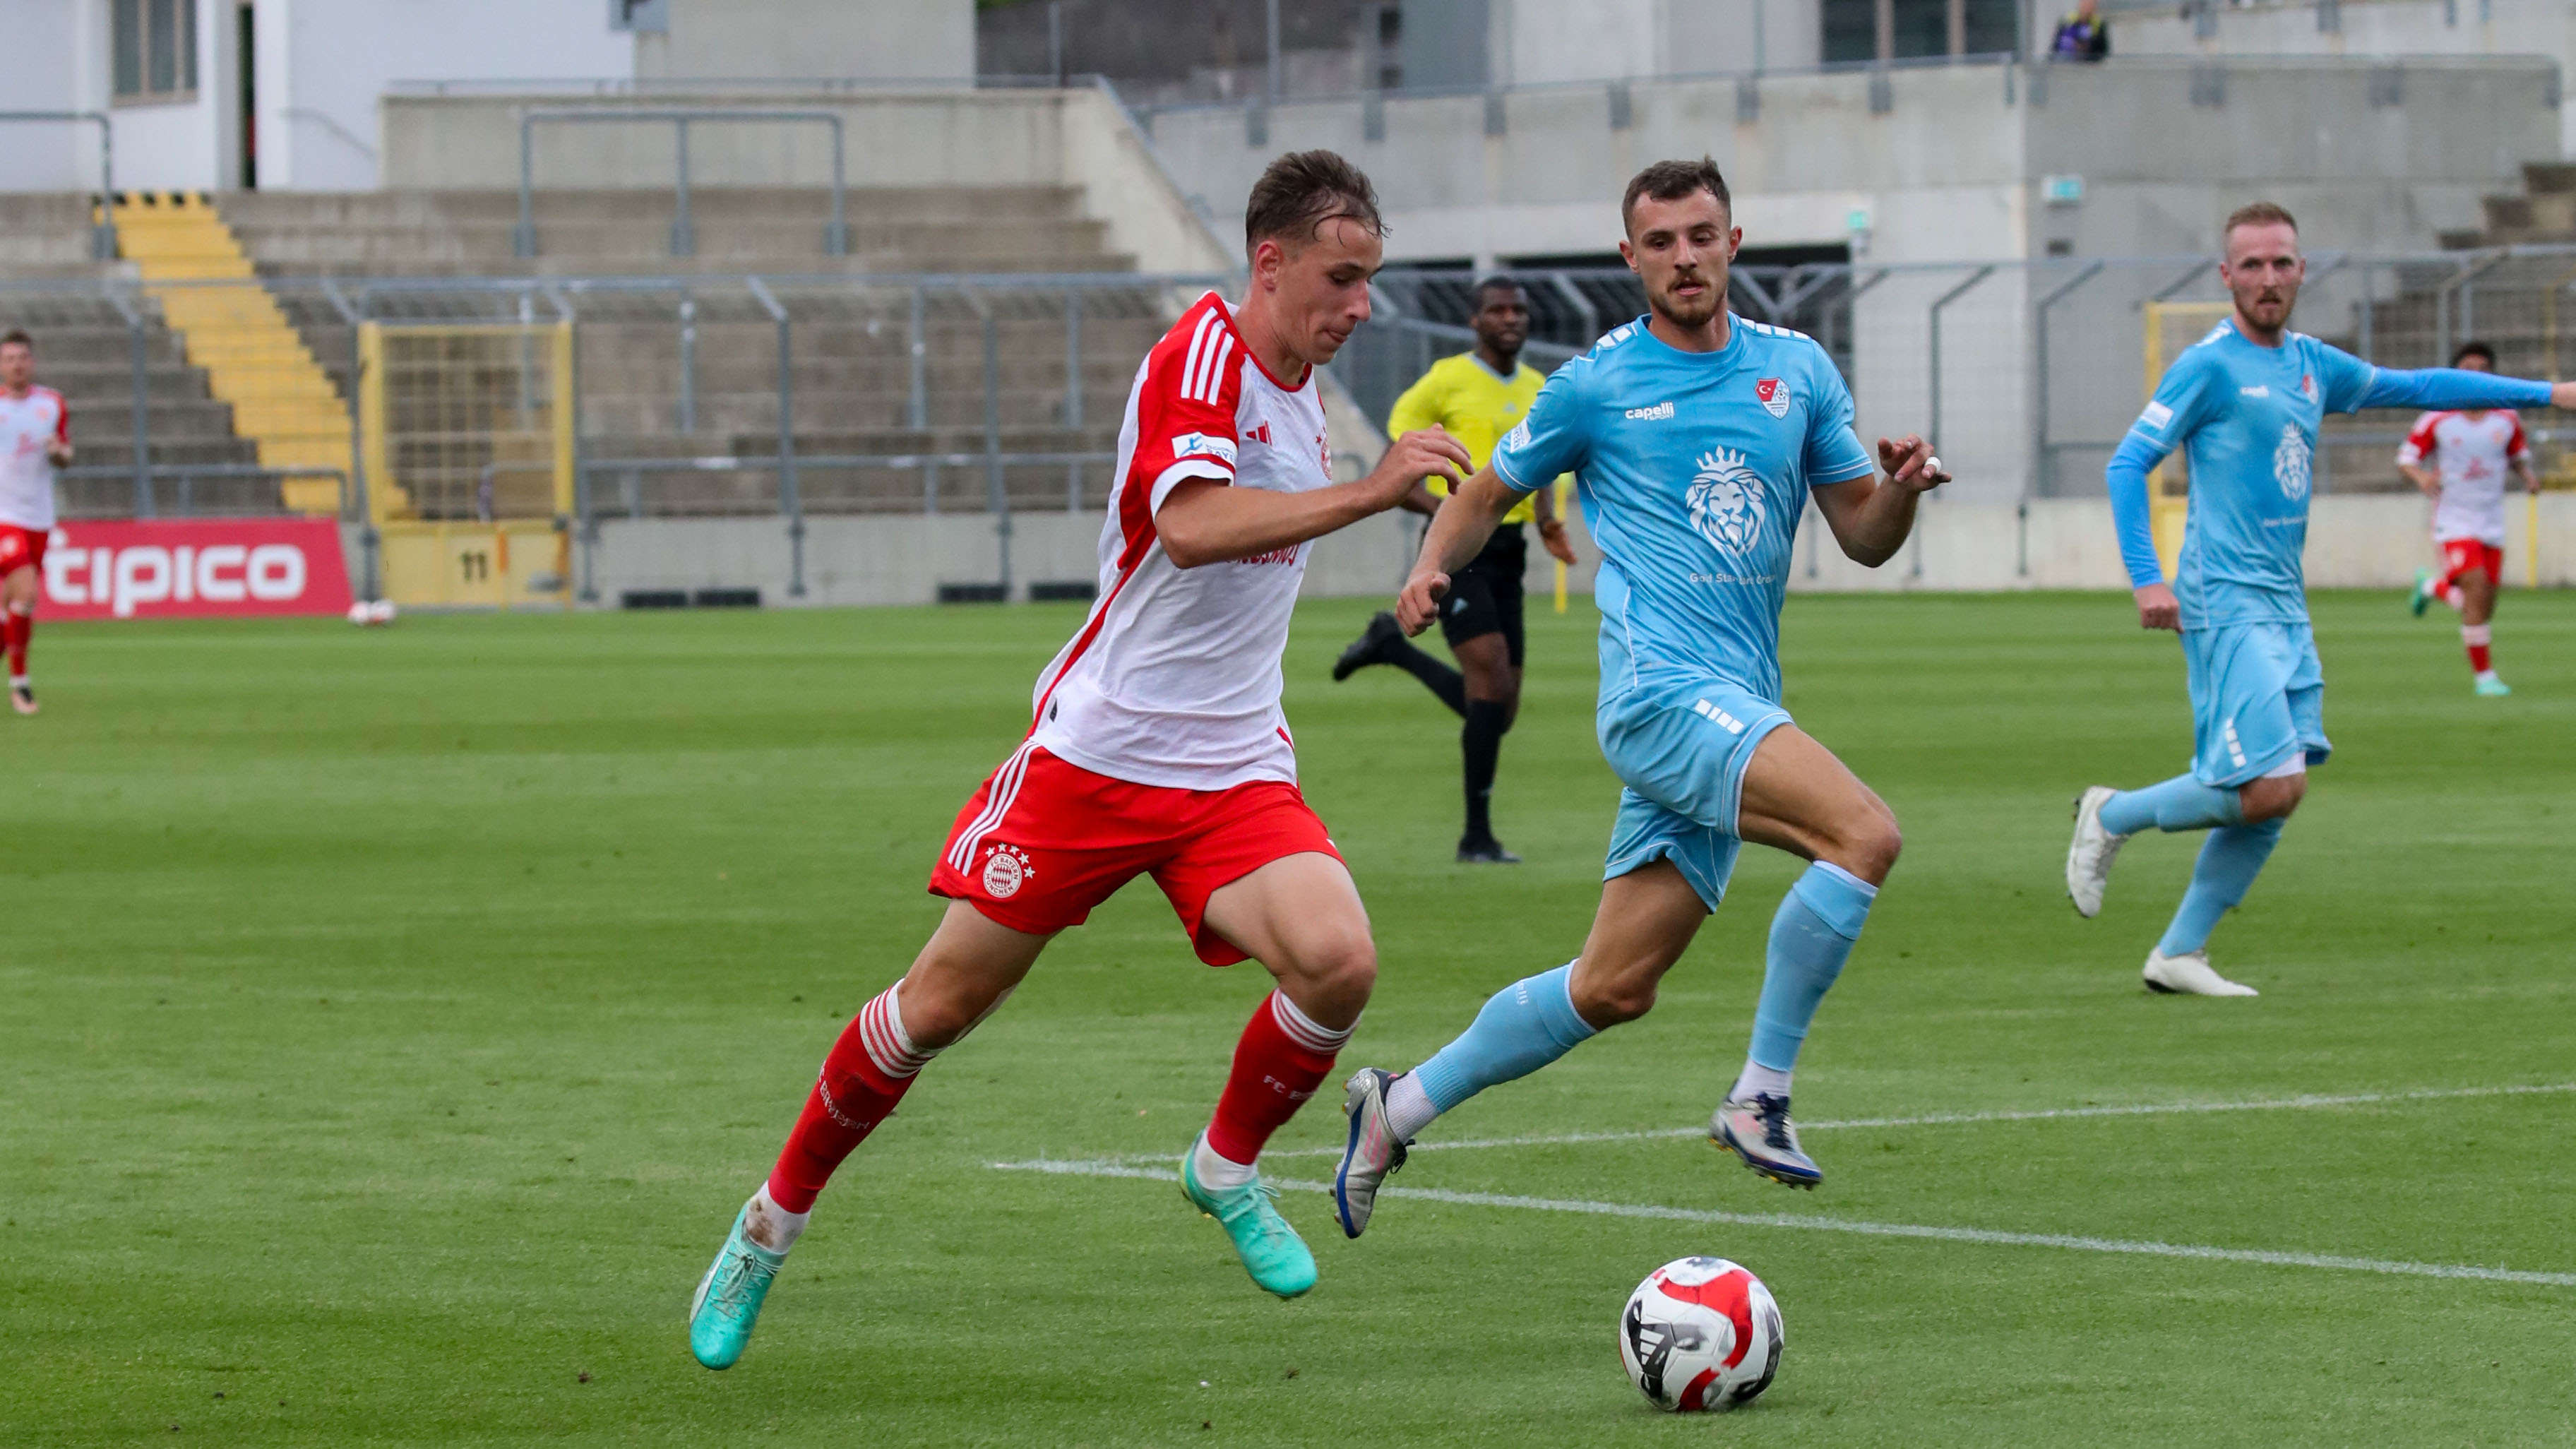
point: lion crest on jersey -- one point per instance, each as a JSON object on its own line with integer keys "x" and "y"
{"x": 2291, "y": 463}
{"x": 1726, "y": 501}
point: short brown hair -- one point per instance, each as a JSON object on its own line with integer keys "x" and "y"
{"x": 19, "y": 336}
{"x": 1673, "y": 180}
{"x": 2257, "y": 213}
{"x": 1300, "y": 192}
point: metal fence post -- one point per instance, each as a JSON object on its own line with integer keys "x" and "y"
{"x": 995, "y": 498}
{"x": 2040, "y": 468}
{"x": 919, "y": 346}
{"x": 836, "y": 237}
{"x": 688, "y": 364}
{"x": 684, "y": 240}
{"x": 141, "y": 386}
{"x": 355, "y": 501}
{"x": 790, "y": 501}
{"x": 523, "y": 240}
{"x": 1944, "y": 300}
{"x": 1073, "y": 357}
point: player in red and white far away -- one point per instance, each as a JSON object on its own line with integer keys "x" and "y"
{"x": 35, "y": 439}
{"x": 1158, "y": 747}
{"x": 2460, "y": 460}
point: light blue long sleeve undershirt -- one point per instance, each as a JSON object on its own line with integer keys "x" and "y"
{"x": 2429, "y": 387}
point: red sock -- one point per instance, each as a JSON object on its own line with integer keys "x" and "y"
{"x": 1281, "y": 1059}
{"x": 2477, "y": 637}
{"x": 868, "y": 1071}
{"x": 16, "y": 633}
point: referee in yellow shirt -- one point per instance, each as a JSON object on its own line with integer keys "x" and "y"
{"x": 1476, "y": 397}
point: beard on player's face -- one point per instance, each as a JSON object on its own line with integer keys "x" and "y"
{"x": 1692, "y": 309}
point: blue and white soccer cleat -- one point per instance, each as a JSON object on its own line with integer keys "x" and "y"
{"x": 1370, "y": 1156}
{"x": 727, "y": 1307}
{"x": 1272, "y": 1252}
{"x": 2492, "y": 687}
{"x": 1757, "y": 1129}
{"x": 2090, "y": 853}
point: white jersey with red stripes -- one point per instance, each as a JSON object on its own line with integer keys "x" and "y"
{"x": 1174, "y": 680}
{"x": 28, "y": 426}
{"x": 2473, "y": 455}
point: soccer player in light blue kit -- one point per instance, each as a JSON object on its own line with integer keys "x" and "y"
{"x": 2243, "y": 403}
{"x": 1696, "y": 439}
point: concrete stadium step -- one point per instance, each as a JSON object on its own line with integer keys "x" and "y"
{"x": 281, "y": 398}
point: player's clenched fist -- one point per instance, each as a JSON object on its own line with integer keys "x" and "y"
{"x": 2158, "y": 609}
{"x": 1429, "y": 453}
{"x": 1419, "y": 604}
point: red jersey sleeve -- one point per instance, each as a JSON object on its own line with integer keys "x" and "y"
{"x": 2419, "y": 443}
{"x": 1185, "y": 405}
{"x": 63, "y": 419}
{"x": 2518, "y": 446}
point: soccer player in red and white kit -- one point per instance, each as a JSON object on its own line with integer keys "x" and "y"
{"x": 1158, "y": 747}
{"x": 2460, "y": 460}
{"x": 35, "y": 439}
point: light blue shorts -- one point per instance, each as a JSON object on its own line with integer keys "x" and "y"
{"x": 2257, "y": 701}
{"x": 1681, "y": 748}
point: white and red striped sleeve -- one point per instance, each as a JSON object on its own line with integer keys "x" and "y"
{"x": 1185, "y": 407}
{"x": 2518, "y": 446}
{"x": 2419, "y": 443}
{"x": 63, "y": 418}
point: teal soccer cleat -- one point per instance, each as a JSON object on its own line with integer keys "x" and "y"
{"x": 2422, "y": 596}
{"x": 727, "y": 1307}
{"x": 2493, "y": 688}
{"x": 1271, "y": 1251}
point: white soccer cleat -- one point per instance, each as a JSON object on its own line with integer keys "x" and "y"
{"x": 2189, "y": 975}
{"x": 2089, "y": 856}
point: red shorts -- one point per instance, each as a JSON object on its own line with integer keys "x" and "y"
{"x": 1043, "y": 842}
{"x": 20, "y": 548}
{"x": 2467, "y": 555}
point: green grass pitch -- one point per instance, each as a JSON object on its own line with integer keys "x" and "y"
{"x": 390, "y": 1023}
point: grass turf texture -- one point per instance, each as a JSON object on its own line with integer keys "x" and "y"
{"x": 395, "y": 1019}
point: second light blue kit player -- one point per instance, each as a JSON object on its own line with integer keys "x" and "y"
{"x": 1696, "y": 439}
{"x": 2243, "y": 404}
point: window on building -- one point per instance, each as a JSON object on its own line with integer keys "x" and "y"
{"x": 650, "y": 16}
{"x": 1922, "y": 28}
{"x": 155, "y": 47}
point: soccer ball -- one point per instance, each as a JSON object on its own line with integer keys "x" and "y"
{"x": 369, "y": 615}
{"x": 1700, "y": 1334}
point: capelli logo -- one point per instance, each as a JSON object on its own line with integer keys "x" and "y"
{"x": 1661, "y": 412}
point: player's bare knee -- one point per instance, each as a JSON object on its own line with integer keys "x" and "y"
{"x": 1613, "y": 1002}
{"x": 1333, "y": 977}
{"x": 1867, "y": 844}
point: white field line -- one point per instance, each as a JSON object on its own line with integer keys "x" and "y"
{"x": 1951, "y": 1119}
{"x": 1878, "y": 1230}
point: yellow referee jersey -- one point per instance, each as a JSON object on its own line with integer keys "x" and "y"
{"x": 1474, "y": 404}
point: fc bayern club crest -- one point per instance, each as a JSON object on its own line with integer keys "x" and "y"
{"x": 1774, "y": 394}
{"x": 1006, "y": 869}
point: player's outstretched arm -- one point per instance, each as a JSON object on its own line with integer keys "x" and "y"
{"x": 2454, "y": 388}
{"x": 1457, "y": 532}
{"x": 1204, "y": 521}
{"x": 1872, "y": 516}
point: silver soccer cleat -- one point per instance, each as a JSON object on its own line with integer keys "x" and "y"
{"x": 2089, "y": 856}
{"x": 1371, "y": 1153}
{"x": 1758, "y": 1130}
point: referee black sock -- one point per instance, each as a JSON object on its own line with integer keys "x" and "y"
{"x": 1437, "y": 677}
{"x": 1481, "y": 743}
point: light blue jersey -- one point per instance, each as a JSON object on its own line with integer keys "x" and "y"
{"x": 2246, "y": 417}
{"x": 1693, "y": 469}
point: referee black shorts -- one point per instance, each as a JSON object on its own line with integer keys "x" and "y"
{"x": 1485, "y": 596}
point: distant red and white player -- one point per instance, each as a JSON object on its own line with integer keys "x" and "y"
{"x": 35, "y": 439}
{"x": 1158, "y": 747}
{"x": 2460, "y": 460}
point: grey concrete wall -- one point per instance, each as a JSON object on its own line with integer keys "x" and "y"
{"x": 1950, "y": 172}
{"x": 896, "y": 138}
{"x": 873, "y": 39}
{"x": 2353, "y": 542}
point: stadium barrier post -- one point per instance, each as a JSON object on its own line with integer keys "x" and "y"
{"x": 919, "y": 348}
{"x": 790, "y": 501}
{"x": 2040, "y": 465}
{"x": 684, "y": 238}
{"x": 688, "y": 364}
{"x": 995, "y": 498}
{"x": 138, "y": 347}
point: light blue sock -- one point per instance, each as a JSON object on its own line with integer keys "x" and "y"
{"x": 1523, "y": 1027}
{"x": 2181, "y": 803}
{"x": 1811, "y": 937}
{"x": 2229, "y": 861}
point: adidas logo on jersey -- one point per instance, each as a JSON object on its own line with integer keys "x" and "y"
{"x": 1661, "y": 412}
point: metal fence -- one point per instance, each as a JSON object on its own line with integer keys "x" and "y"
{"x": 699, "y": 396}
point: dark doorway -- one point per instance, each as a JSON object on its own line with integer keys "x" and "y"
{"x": 248, "y": 52}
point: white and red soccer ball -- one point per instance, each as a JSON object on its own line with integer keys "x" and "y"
{"x": 1700, "y": 1334}
{"x": 372, "y": 613}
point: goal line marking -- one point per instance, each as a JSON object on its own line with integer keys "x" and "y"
{"x": 1800, "y": 1221}
{"x": 1951, "y": 1119}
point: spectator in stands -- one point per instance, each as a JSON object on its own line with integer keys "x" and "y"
{"x": 2084, "y": 35}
